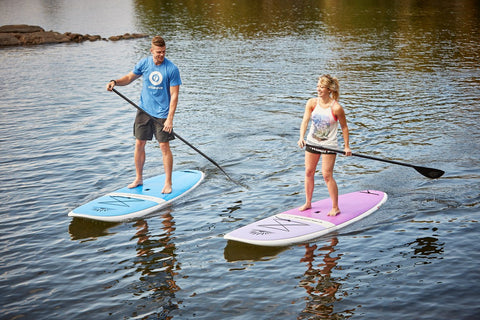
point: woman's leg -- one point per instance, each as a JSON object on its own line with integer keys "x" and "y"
{"x": 311, "y": 161}
{"x": 328, "y": 162}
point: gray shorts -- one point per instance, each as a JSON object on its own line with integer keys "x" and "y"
{"x": 145, "y": 127}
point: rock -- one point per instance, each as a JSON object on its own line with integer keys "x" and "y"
{"x": 20, "y": 28}
{"x": 127, "y": 36}
{"x": 8, "y": 39}
{"x": 76, "y": 37}
{"x": 115, "y": 38}
{"x": 32, "y": 38}
{"x": 22, "y": 34}
{"x": 42, "y": 38}
{"x": 92, "y": 38}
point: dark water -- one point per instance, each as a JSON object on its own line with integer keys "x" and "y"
{"x": 410, "y": 84}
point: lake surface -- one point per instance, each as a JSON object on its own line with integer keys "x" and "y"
{"x": 410, "y": 86}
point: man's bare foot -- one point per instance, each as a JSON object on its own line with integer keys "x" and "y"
{"x": 167, "y": 189}
{"x": 135, "y": 184}
{"x": 334, "y": 212}
{"x": 306, "y": 206}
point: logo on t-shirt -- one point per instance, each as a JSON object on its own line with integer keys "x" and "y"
{"x": 155, "y": 78}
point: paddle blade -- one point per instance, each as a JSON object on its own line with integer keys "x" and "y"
{"x": 430, "y": 172}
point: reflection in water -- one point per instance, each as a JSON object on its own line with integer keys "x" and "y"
{"x": 403, "y": 25}
{"x": 228, "y": 18}
{"x": 237, "y": 251}
{"x": 87, "y": 229}
{"x": 426, "y": 247}
{"x": 318, "y": 282}
{"x": 156, "y": 264}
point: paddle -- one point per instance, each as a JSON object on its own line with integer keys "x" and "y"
{"x": 427, "y": 172}
{"x": 176, "y": 135}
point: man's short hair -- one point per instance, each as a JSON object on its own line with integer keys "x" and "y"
{"x": 158, "y": 41}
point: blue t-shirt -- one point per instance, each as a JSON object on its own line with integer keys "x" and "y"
{"x": 155, "y": 97}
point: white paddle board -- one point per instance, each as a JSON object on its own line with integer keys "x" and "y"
{"x": 125, "y": 204}
{"x": 295, "y": 226}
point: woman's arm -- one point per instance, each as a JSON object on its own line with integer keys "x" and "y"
{"x": 340, "y": 114}
{"x": 306, "y": 118}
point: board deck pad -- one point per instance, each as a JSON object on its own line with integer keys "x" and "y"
{"x": 295, "y": 226}
{"x": 125, "y": 204}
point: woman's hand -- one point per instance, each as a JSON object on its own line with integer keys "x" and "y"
{"x": 347, "y": 151}
{"x": 301, "y": 143}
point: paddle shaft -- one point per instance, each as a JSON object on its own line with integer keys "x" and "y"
{"x": 175, "y": 134}
{"x": 427, "y": 172}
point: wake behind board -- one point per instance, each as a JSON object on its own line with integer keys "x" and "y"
{"x": 295, "y": 226}
{"x": 125, "y": 204}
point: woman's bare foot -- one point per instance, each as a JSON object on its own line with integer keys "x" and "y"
{"x": 135, "y": 184}
{"x": 334, "y": 212}
{"x": 306, "y": 206}
{"x": 167, "y": 189}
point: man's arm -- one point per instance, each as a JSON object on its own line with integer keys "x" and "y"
{"x": 168, "y": 126}
{"x": 123, "y": 81}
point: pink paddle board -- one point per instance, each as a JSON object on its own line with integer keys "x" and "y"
{"x": 294, "y": 226}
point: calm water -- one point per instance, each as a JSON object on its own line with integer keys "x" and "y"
{"x": 410, "y": 84}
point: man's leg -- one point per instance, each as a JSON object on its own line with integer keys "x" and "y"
{"x": 139, "y": 159}
{"x": 167, "y": 166}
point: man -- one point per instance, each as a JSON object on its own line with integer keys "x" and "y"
{"x": 159, "y": 98}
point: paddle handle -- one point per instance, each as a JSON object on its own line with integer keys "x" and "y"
{"x": 427, "y": 172}
{"x": 370, "y": 157}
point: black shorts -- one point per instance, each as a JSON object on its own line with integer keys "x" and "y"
{"x": 317, "y": 150}
{"x": 145, "y": 127}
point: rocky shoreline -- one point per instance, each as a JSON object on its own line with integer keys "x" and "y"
{"x": 23, "y": 35}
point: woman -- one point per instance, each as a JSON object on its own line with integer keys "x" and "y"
{"x": 326, "y": 113}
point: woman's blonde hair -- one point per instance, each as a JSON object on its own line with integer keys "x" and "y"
{"x": 331, "y": 83}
